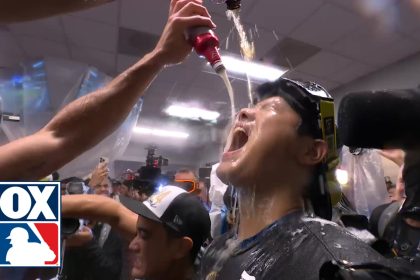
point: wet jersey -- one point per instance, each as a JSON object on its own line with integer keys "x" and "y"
{"x": 294, "y": 247}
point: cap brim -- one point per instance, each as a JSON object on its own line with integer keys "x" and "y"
{"x": 139, "y": 208}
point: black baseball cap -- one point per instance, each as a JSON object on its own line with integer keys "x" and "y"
{"x": 177, "y": 209}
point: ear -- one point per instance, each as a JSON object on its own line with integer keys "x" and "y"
{"x": 183, "y": 248}
{"x": 314, "y": 151}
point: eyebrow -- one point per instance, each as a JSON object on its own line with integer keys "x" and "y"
{"x": 143, "y": 229}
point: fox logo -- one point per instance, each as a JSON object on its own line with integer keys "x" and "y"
{"x": 30, "y": 224}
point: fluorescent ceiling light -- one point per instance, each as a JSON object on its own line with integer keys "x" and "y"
{"x": 253, "y": 69}
{"x": 192, "y": 113}
{"x": 161, "y": 132}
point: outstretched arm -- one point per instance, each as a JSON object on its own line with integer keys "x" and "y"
{"x": 395, "y": 155}
{"x": 23, "y": 10}
{"x": 102, "y": 209}
{"x": 87, "y": 120}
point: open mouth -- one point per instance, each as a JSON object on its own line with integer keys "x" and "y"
{"x": 239, "y": 139}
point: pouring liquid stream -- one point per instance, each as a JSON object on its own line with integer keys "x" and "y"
{"x": 224, "y": 76}
{"x": 247, "y": 47}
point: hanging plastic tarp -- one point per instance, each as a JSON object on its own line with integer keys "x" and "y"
{"x": 45, "y": 86}
{"x": 366, "y": 186}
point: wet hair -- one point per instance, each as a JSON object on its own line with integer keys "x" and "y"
{"x": 299, "y": 99}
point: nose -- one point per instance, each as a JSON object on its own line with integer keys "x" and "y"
{"x": 133, "y": 246}
{"x": 246, "y": 114}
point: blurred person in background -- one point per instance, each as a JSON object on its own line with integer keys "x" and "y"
{"x": 186, "y": 179}
{"x": 400, "y": 235}
{"x": 204, "y": 194}
{"x": 73, "y": 185}
{"x": 96, "y": 250}
{"x": 166, "y": 231}
{"x": 273, "y": 159}
{"x": 118, "y": 189}
{"x": 390, "y": 187}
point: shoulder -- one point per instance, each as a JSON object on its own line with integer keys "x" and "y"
{"x": 339, "y": 243}
{"x": 211, "y": 255}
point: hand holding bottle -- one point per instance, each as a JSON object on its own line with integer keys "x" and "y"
{"x": 173, "y": 47}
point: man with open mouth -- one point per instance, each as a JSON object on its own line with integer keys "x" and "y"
{"x": 275, "y": 157}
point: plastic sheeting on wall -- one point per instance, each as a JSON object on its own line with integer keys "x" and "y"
{"x": 47, "y": 85}
{"x": 366, "y": 187}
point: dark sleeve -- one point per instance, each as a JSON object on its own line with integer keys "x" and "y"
{"x": 105, "y": 263}
{"x": 411, "y": 175}
{"x": 374, "y": 219}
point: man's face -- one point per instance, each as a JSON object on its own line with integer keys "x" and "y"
{"x": 152, "y": 248}
{"x": 189, "y": 176}
{"x": 103, "y": 188}
{"x": 123, "y": 189}
{"x": 185, "y": 176}
{"x": 262, "y": 144}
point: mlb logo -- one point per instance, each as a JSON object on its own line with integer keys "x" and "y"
{"x": 30, "y": 224}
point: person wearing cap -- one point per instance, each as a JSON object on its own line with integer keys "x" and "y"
{"x": 166, "y": 231}
{"x": 276, "y": 157}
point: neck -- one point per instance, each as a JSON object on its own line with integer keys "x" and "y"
{"x": 258, "y": 209}
{"x": 180, "y": 270}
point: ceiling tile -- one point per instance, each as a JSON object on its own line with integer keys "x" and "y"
{"x": 351, "y": 72}
{"x": 326, "y": 26}
{"x": 177, "y": 74}
{"x": 49, "y": 29}
{"x": 134, "y": 42}
{"x": 373, "y": 47}
{"x": 415, "y": 35}
{"x": 107, "y": 13}
{"x": 282, "y": 15}
{"x": 160, "y": 94}
{"x": 150, "y": 18}
{"x": 289, "y": 53}
{"x": 297, "y": 75}
{"x": 35, "y": 48}
{"x": 210, "y": 80}
{"x": 387, "y": 55}
{"x": 323, "y": 64}
{"x": 240, "y": 89}
{"x": 326, "y": 83}
{"x": 87, "y": 33}
{"x": 365, "y": 7}
{"x": 104, "y": 61}
{"x": 196, "y": 63}
{"x": 125, "y": 61}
